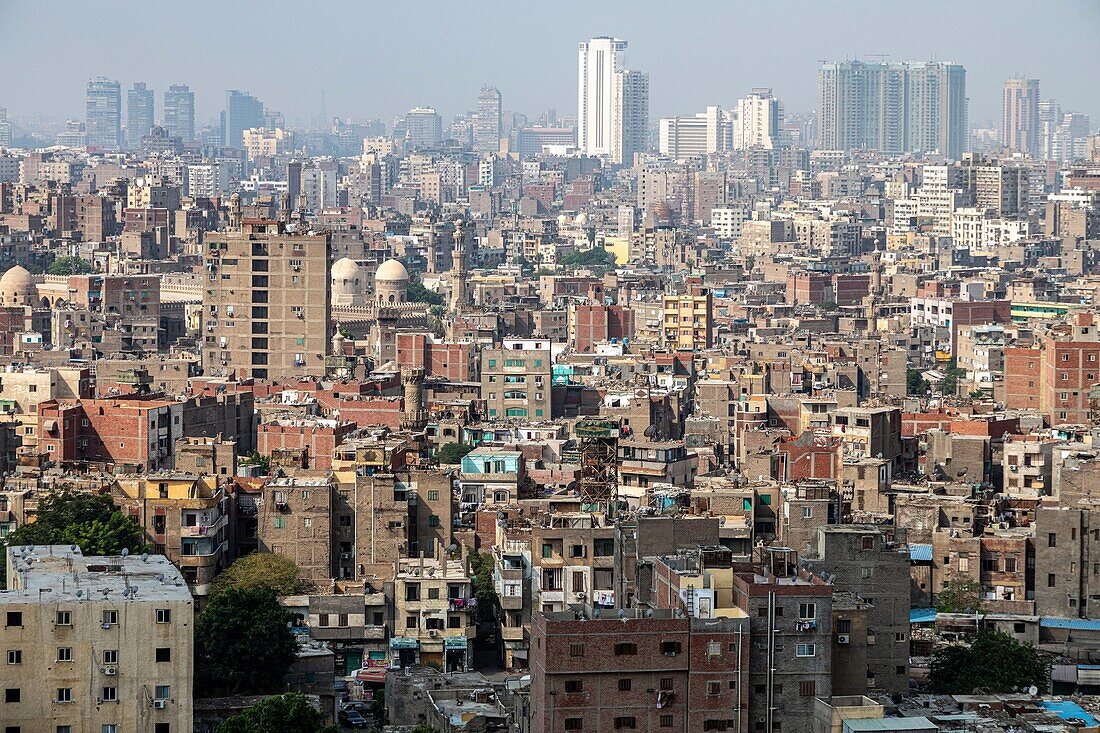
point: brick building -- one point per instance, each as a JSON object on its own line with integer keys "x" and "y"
{"x": 643, "y": 670}
{"x": 592, "y": 324}
{"x": 302, "y": 443}
{"x": 131, "y": 432}
{"x": 457, "y": 362}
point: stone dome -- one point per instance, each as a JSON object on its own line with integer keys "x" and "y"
{"x": 17, "y": 287}
{"x": 345, "y": 268}
{"x": 391, "y": 271}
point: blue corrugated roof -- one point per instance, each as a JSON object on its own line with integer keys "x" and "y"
{"x": 920, "y": 553}
{"x": 922, "y": 615}
{"x": 1080, "y": 624}
{"x": 1067, "y": 710}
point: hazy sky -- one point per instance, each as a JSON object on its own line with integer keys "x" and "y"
{"x": 378, "y": 59}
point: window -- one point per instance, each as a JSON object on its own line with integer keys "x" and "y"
{"x": 899, "y": 636}
{"x": 11, "y": 694}
{"x": 713, "y": 724}
{"x": 64, "y": 729}
{"x": 624, "y": 685}
{"x": 807, "y": 512}
{"x": 110, "y": 618}
{"x": 64, "y": 618}
{"x": 1051, "y": 580}
{"x": 666, "y": 721}
{"x": 162, "y": 728}
{"x": 574, "y": 686}
{"x": 163, "y": 692}
{"x": 410, "y": 622}
{"x": 671, "y": 648}
{"x": 433, "y": 594}
{"x": 164, "y": 615}
{"x": 843, "y": 626}
{"x": 1052, "y": 539}
{"x": 164, "y": 654}
{"x": 64, "y": 654}
{"x": 15, "y": 618}
{"x": 626, "y": 648}
{"x": 577, "y": 551}
{"x": 433, "y": 494}
{"x": 576, "y": 650}
{"x": 64, "y": 694}
{"x": 625, "y": 721}
{"x": 574, "y": 723}
{"x": 666, "y": 683}
{"x": 714, "y": 648}
{"x": 807, "y": 688}
{"x": 15, "y": 656}
{"x": 110, "y": 694}
{"x": 806, "y": 650}
{"x": 807, "y": 611}
{"x": 865, "y": 573}
{"x": 109, "y": 728}
{"x": 714, "y": 687}
{"x": 322, "y": 619}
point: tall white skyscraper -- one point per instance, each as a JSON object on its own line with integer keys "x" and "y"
{"x": 691, "y": 136}
{"x": 758, "y": 121}
{"x": 612, "y": 102}
{"x": 104, "y": 115}
{"x": 599, "y": 60}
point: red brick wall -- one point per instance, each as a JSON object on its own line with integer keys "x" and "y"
{"x": 1023, "y": 369}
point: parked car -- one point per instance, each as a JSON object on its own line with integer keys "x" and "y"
{"x": 360, "y": 707}
{"x": 352, "y": 718}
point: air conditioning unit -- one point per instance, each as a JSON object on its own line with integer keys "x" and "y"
{"x": 843, "y": 638}
{"x": 433, "y": 633}
{"x": 160, "y": 704}
{"x": 110, "y": 671}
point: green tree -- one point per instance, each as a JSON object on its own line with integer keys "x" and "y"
{"x": 915, "y": 384}
{"x": 91, "y": 521}
{"x": 453, "y": 452}
{"x": 261, "y": 570}
{"x": 993, "y": 662}
{"x": 952, "y": 374}
{"x": 417, "y": 293}
{"x": 960, "y": 596}
{"x": 243, "y": 644}
{"x": 70, "y": 266}
{"x": 483, "y": 567}
{"x": 287, "y": 713}
{"x": 597, "y": 259}
{"x": 424, "y": 728}
{"x": 255, "y": 459}
{"x": 829, "y": 305}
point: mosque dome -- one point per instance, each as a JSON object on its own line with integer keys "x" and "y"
{"x": 391, "y": 271}
{"x": 17, "y": 287}
{"x": 345, "y": 269}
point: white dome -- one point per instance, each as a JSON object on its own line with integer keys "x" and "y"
{"x": 582, "y": 219}
{"x": 391, "y": 270}
{"x": 17, "y": 286}
{"x": 345, "y": 269}
{"x": 562, "y": 220}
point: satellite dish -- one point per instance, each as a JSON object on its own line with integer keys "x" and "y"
{"x": 72, "y": 548}
{"x": 622, "y": 613}
{"x": 649, "y": 613}
{"x": 596, "y": 613}
{"x": 80, "y": 594}
{"x": 650, "y": 431}
{"x": 1033, "y": 690}
{"x": 125, "y": 551}
{"x": 145, "y": 557}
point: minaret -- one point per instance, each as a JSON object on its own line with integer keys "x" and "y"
{"x": 413, "y": 418}
{"x": 875, "y": 294}
{"x": 431, "y": 246}
{"x": 458, "y": 268}
{"x": 235, "y": 217}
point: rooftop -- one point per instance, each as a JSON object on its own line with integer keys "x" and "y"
{"x": 57, "y": 573}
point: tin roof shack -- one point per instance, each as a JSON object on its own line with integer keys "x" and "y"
{"x": 312, "y": 674}
{"x": 408, "y": 694}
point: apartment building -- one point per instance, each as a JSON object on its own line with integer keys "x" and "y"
{"x": 688, "y": 319}
{"x": 95, "y": 643}
{"x": 435, "y": 612}
{"x": 515, "y": 379}
{"x": 185, "y": 518}
{"x": 573, "y": 559}
{"x": 638, "y": 670}
{"x": 266, "y": 302}
{"x": 294, "y": 519}
{"x": 1070, "y": 367}
{"x": 872, "y": 565}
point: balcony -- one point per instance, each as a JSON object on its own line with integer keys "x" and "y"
{"x": 512, "y": 633}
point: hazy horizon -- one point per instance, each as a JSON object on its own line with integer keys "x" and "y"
{"x": 372, "y": 61}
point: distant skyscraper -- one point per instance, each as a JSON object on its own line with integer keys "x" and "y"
{"x": 701, "y": 134}
{"x": 139, "y": 113}
{"x": 104, "y": 115}
{"x": 598, "y": 61}
{"x": 758, "y": 121}
{"x": 5, "y": 129}
{"x": 1020, "y": 116}
{"x": 911, "y": 106}
{"x": 179, "y": 112}
{"x": 630, "y": 121}
{"x": 242, "y": 111}
{"x": 423, "y": 127}
{"x": 487, "y": 126}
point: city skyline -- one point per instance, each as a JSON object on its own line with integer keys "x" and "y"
{"x": 723, "y": 65}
